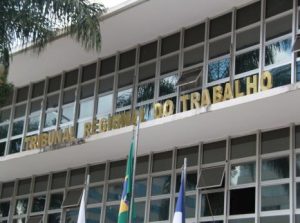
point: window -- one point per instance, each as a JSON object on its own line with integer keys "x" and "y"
{"x": 145, "y": 92}
{"x": 159, "y": 210}
{"x": 275, "y": 197}
{"x": 247, "y": 61}
{"x": 275, "y": 219}
{"x": 21, "y": 206}
{"x": 273, "y": 169}
{"x": 24, "y": 187}
{"x": 243, "y": 147}
{"x": 220, "y": 25}
{"x": 15, "y": 146}
{"x": 247, "y": 38}
{"x": 279, "y": 27}
{"x": 192, "y": 78}
{"x": 54, "y": 218}
{"x": 124, "y": 98}
{"x": 125, "y": 78}
{"x": 114, "y": 191}
{"x": 274, "y": 7}
{"x": 54, "y": 84}
{"x": 211, "y": 177}
{"x": 35, "y": 219}
{"x": 281, "y": 75}
{"x": 56, "y": 200}
{"x": 105, "y": 104}
{"x": 140, "y": 189}
{"x": 2, "y": 148}
{"x": 95, "y": 195}
{"x": 218, "y": 70}
{"x": 58, "y": 180}
{"x": 148, "y": 51}
{"x": 162, "y": 161}
{"x": 142, "y": 165}
{"x": 107, "y": 66}
{"x": 147, "y": 71}
{"x": 169, "y": 64}
{"x": 161, "y": 185}
{"x": 22, "y": 94}
{"x": 278, "y": 52}
{"x": 88, "y": 72}
{"x": 190, "y": 153}
{"x": 212, "y": 204}
{"x": 97, "y": 173}
{"x": 38, "y": 203}
{"x": 69, "y": 96}
{"x": 40, "y": 183}
{"x": 167, "y": 85}
{"x": 248, "y": 15}
{"x": 3, "y": 131}
{"x": 117, "y": 169}
{"x": 4, "y": 209}
{"x": 71, "y": 78}
{"x": 20, "y": 110}
{"x": 214, "y": 152}
{"x": 93, "y": 215}
{"x": 238, "y": 207}
{"x": 191, "y": 181}
{"x": 87, "y": 91}
{"x": 219, "y": 48}
{"x": 193, "y": 56}
{"x": 7, "y": 189}
{"x": 194, "y": 35}
{"x": 170, "y": 44}
{"x": 275, "y": 141}
{"x": 4, "y": 115}
{"x": 77, "y": 177}
{"x": 86, "y": 109}
{"x": 106, "y": 84}
{"x": 111, "y": 215}
{"x": 242, "y": 173}
{"x": 73, "y": 198}
{"x": 297, "y": 136}
{"x": 127, "y": 59}
{"x": 38, "y": 89}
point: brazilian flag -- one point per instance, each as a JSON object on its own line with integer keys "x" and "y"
{"x": 127, "y": 188}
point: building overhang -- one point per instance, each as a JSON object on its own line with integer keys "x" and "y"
{"x": 136, "y": 22}
{"x": 265, "y": 110}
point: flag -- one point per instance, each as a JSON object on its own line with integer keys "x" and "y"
{"x": 81, "y": 214}
{"x": 179, "y": 216}
{"x": 127, "y": 188}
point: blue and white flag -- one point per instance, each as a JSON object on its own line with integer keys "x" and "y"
{"x": 179, "y": 216}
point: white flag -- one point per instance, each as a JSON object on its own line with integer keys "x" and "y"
{"x": 81, "y": 215}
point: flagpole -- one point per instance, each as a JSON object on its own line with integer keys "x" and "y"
{"x": 136, "y": 141}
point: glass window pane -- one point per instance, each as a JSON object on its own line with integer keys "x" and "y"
{"x": 56, "y": 201}
{"x": 114, "y": 191}
{"x": 71, "y": 78}
{"x": 35, "y": 106}
{"x": 105, "y": 104}
{"x": 162, "y": 161}
{"x": 7, "y": 189}
{"x": 107, "y": 65}
{"x": 220, "y": 25}
{"x": 147, "y": 71}
{"x": 111, "y": 215}
{"x": 20, "y": 111}
{"x": 142, "y": 165}
{"x": 238, "y": 207}
{"x": 52, "y": 101}
{"x": 159, "y": 210}
{"x": 190, "y": 153}
{"x": 72, "y": 198}
{"x": 54, "y": 84}
{"x": 170, "y": 44}
{"x": 125, "y": 78}
{"x": 35, "y": 219}
{"x": 212, "y": 204}
{"x": 297, "y": 136}
{"x": 117, "y": 169}
{"x": 50, "y": 119}
{"x": 211, "y": 177}
{"x": 54, "y": 218}
{"x": 69, "y": 96}
{"x": 77, "y": 177}
{"x": 22, "y": 94}
{"x": 281, "y": 75}
{"x": 17, "y": 128}
{"x": 127, "y": 59}
{"x": 3, "y": 131}
{"x": 4, "y": 208}
{"x": 124, "y": 98}
{"x": 97, "y": 173}
{"x": 38, "y": 89}
{"x": 214, "y": 152}
{"x": 275, "y": 197}
{"x": 273, "y": 169}
{"x": 148, "y": 51}
{"x": 243, "y": 147}
{"x": 87, "y": 91}
{"x": 219, "y": 48}
{"x": 95, "y": 195}
{"x": 67, "y": 114}
{"x": 5, "y": 115}
{"x": 247, "y": 61}
{"x": 148, "y": 109}
{"x": 243, "y": 220}
{"x": 15, "y": 146}
{"x": 145, "y": 92}
{"x": 242, "y": 173}
{"x": 275, "y": 219}
{"x": 24, "y": 187}
{"x": 40, "y": 183}
{"x": 193, "y": 56}
{"x": 140, "y": 212}
{"x": 21, "y": 206}
{"x": 248, "y": 15}
{"x": 140, "y": 188}
{"x": 72, "y": 216}
{"x": 298, "y": 165}
{"x": 191, "y": 182}
{"x": 2, "y": 148}
{"x": 218, "y": 70}
{"x": 58, "y": 180}
{"x": 38, "y": 203}
{"x": 88, "y": 72}
{"x": 278, "y": 52}
{"x": 275, "y": 141}
{"x": 93, "y": 215}
{"x": 106, "y": 84}
{"x": 194, "y": 35}
{"x": 169, "y": 64}
{"x": 279, "y": 27}
{"x": 274, "y": 7}
{"x": 86, "y": 109}
{"x": 298, "y": 195}
{"x": 167, "y": 85}
{"x": 248, "y": 38}
{"x": 161, "y": 185}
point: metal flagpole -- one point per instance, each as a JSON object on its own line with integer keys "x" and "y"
{"x": 136, "y": 141}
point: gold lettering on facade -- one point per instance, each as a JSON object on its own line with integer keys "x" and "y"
{"x": 205, "y": 100}
{"x": 227, "y": 92}
{"x": 158, "y": 110}
{"x": 266, "y": 81}
{"x": 251, "y": 84}
{"x": 237, "y": 89}
{"x": 168, "y": 108}
{"x": 195, "y": 100}
{"x": 217, "y": 94}
{"x": 184, "y": 100}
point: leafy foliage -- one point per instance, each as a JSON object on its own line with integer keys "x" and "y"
{"x": 38, "y": 21}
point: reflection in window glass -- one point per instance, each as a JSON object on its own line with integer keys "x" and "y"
{"x": 114, "y": 191}
{"x": 56, "y": 201}
{"x": 275, "y": 219}
{"x": 93, "y": 215}
{"x": 54, "y": 218}
{"x": 21, "y": 206}
{"x": 218, "y": 70}
{"x": 298, "y": 195}
{"x": 167, "y": 85}
{"x": 4, "y": 209}
{"x": 67, "y": 114}
{"x": 212, "y": 204}
{"x": 219, "y": 48}
{"x": 278, "y": 52}
{"x": 298, "y": 165}
{"x": 147, "y": 71}
{"x": 95, "y": 195}
{"x": 238, "y": 207}
{"x": 169, "y": 64}
{"x": 298, "y": 70}
{"x": 140, "y": 188}
{"x": 275, "y": 169}
{"x": 281, "y": 75}
{"x": 124, "y": 98}
{"x": 244, "y": 220}
{"x": 242, "y": 173}
{"x": 148, "y": 111}
{"x": 275, "y": 197}
{"x": 190, "y": 153}
{"x": 3, "y": 131}
{"x": 243, "y": 147}
{"x": 191, "y": 181}
{"x": 38, "y": 203}
{"x": 247, "y": 61}
{"x": 4, "y": 115}
{"x": 111, "y": 215}
{"x": 33, "y": 123}
{"x": 105, "y": 104}
{"x": 162, "y": 161}
{"x": 17, "y": 128}
{"x": 214, "y": 152}
{"x": 279, "y": 27}
{"x": 193, "y": 56}
{"x": 15, "y": 146}
{"x": 140, "y": 212}
{"x": 145, "y": 92}
{"x": 161, "y": 185}
{"x": 159, "y": 210}
{"x": 50, "y": 119}
{"x": 71, "y": 216}
{"x": 276, "y": 140}
{"x": 86, "y": 109}
{"x": 2, "y": 148}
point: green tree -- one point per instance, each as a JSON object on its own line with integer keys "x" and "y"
{"x": 38, "y": 21}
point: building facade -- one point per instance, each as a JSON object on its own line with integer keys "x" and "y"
{"x": 221, "y": 91}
